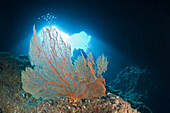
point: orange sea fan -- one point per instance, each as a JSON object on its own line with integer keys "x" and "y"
{"x": 54, "y": 75}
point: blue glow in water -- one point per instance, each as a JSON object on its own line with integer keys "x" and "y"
{"x": 77, "y": 40}
{"x": 80, "y": 40}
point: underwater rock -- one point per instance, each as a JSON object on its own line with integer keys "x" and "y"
{"x": 132, "y": 84}
{"x": 10, "y": 68}
{"x": 10, "y": 72}
{"x": 24, "y": 62}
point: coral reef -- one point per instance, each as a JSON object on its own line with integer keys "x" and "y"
{"x": 14, "y": 99}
